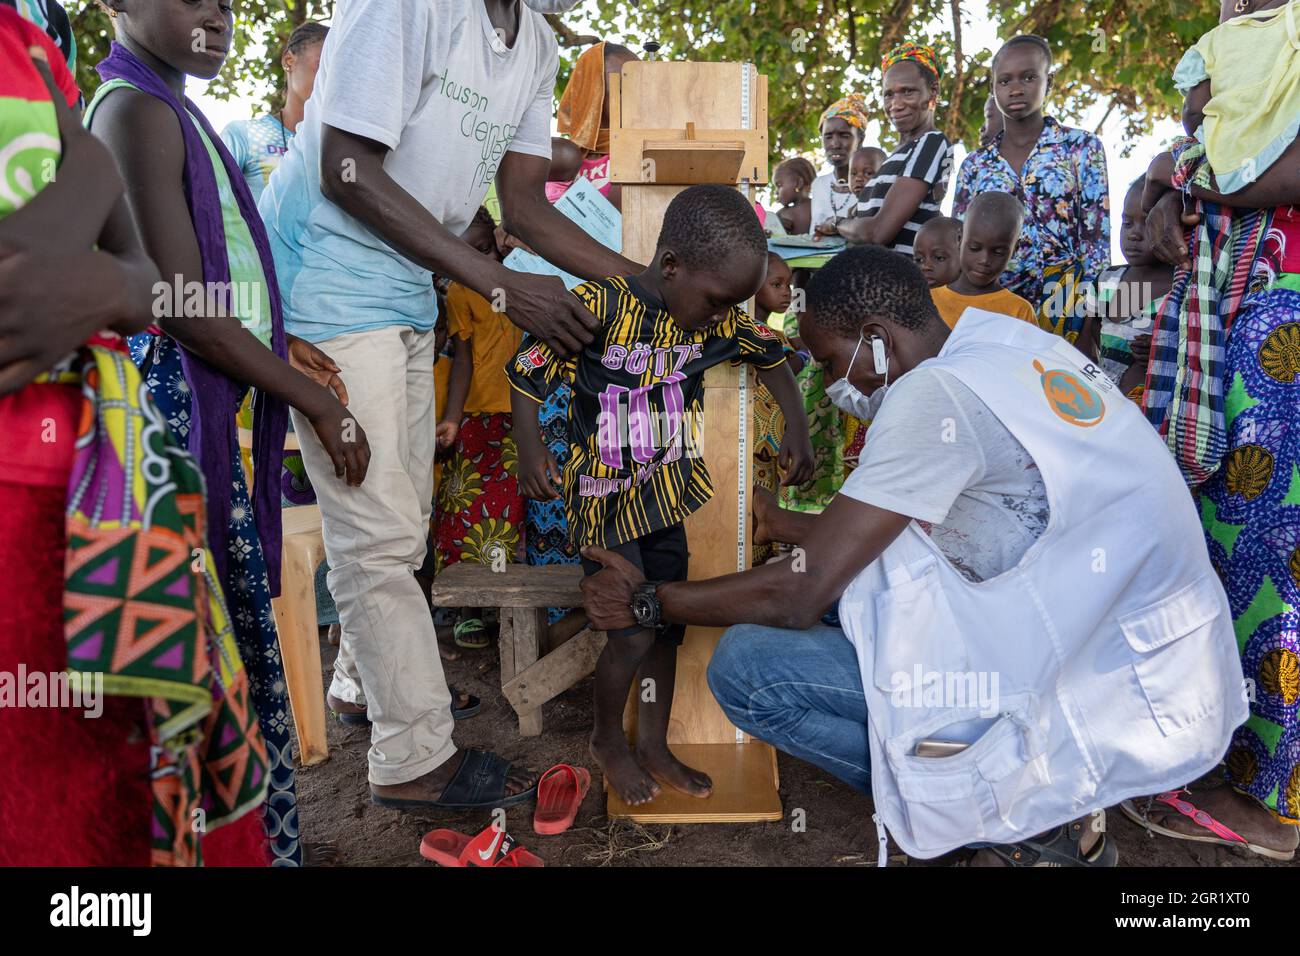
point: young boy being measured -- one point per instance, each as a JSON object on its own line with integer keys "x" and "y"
{"x": 635, "y": 432}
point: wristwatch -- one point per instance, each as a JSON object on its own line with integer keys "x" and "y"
{"x": 646, "y": 608}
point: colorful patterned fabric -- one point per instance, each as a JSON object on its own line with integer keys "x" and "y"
{"x": 546, "y": 530}
{"x": 237, "y": 268}
{"x": 767, "y": 434}
{"x": 1251, "y": 511}
{"x": 826, "y": 435}
{"x": 855, "y": 436}
{"x": 479, "y": 504}
{"x": 852, "y": 109}
{"x": 1184, "y": 392}
{"x": 248, "y": 599}
{"x": 1067, "y": 206}
{"x": 926, "y": 56}
{"x": 1064, "y": 309}
{"x": 136, "y": 611}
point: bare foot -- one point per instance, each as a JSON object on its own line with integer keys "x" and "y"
{"x": 662, "y": 765}
{"x": 430, "y": 787}
{"x": 622, "y": 772}
{"x": 1243, "y": 815}
{"x": 765, "y": 505}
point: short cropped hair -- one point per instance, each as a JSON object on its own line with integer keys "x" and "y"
{"x": 706, "y": 224}
{"x": 866, "y": 282}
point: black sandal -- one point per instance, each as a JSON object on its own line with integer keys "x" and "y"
{"x": 1059, "y": 847}
{"x": 480, "y": 773}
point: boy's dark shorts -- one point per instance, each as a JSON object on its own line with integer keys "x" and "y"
{"x": 660, "y": 556}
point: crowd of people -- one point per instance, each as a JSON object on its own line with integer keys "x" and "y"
{"x": 335, "y": 267}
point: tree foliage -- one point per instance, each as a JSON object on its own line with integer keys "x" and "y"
{"x": 1117, "y": 52}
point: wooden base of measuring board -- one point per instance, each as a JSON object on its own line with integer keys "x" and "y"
{"x": 745, "y": 788}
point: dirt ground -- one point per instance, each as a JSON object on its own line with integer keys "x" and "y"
{"x": 335, "y": 808}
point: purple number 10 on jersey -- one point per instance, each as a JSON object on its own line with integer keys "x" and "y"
{"x": 629, "y": 422}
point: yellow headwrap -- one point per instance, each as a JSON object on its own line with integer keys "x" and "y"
{"x": 578, "y": 116}
{"x": 852, "y": 109}
{"x": 924, "y": 55}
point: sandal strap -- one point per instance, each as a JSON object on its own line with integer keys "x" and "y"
{"x": 1032, "y": 852}
{"x": 480, "y": 778}
{"x": 492, "y": 847}
{"x": 560, "y": 768}
{"x": 1172, "y": 798}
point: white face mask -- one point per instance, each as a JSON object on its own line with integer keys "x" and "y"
{"x": 551, "y": 6}
{"x": 847, "y": 397}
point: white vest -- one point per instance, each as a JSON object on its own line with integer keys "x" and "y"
{"x": 1110, "y": 645}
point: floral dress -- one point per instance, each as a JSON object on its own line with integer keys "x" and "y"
{"x": 1065, "y": 241}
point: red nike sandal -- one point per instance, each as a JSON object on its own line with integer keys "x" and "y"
{"x": 492, "y": 847}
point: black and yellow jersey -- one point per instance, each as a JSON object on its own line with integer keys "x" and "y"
{"x": 636, "y": 416}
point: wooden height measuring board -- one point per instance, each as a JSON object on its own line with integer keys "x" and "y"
{"x": 673, "y": 124}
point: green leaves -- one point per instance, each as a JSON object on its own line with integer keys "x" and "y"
{"x": 1117, "y": 52}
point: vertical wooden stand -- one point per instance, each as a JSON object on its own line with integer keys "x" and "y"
{"x": 657, "y": 111}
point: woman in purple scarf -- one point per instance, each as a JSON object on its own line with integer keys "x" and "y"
{"x": 220, "y": 333}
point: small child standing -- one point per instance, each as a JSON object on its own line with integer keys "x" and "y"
{"x": 635, "y": 471}
{"x": 989, "y": 235}
{"x": 937, "y": 251}
{"x": 792, "y": 180}
{"x": 773, "y": 297}
{"x": 1128, "y": 298}
{"x": 480, "y": 508}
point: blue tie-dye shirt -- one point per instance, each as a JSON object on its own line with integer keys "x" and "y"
{"x": 1067, "y": 205}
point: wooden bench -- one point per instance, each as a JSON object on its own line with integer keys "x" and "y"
{"x": 523, "y": 593}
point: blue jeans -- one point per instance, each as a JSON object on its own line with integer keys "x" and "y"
{"x": 800, "y": 691}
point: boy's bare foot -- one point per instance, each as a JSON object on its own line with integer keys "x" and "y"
{"x": 632, "y": 784}
{"x": 430, "y": 787}
{"x": 663, "y": 765}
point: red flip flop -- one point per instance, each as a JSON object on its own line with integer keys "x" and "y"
{"x": 492, "y": 847}
{"x": 559, "y": 795}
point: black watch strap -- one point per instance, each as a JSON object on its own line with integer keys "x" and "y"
{"x": 646, "y": 608}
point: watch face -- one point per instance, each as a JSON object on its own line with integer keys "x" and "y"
{"x": 641, "y": 609}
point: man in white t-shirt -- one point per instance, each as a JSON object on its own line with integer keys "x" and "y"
{"x": 419, "y": 105}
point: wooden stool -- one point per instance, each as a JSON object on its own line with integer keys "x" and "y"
{"x": 523, "y": 593}
{"x": 295, "y": 619}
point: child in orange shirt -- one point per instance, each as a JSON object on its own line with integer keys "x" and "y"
{"x": 989, "y": 235}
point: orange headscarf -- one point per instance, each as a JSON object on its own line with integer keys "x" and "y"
{"x": 578, "y": 116}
